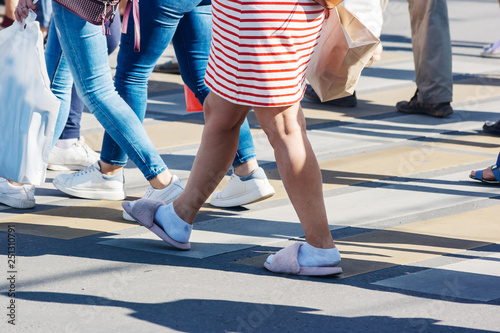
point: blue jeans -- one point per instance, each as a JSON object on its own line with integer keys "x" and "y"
{"x": 87, "y": 64}
{"x": 188, "y": 25}
{"x": 44, "y": 13}
{"x": 72, "y": 128}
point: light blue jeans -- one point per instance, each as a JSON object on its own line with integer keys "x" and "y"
{"x": 77, "y": 50}
{"x": 188, "y": 25}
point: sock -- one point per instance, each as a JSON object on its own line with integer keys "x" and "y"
{"x": 310, "y": 256}
{"x": 65, "y": 143}
{"x": 257, "y": 173}
{"x": 171, "y": 223}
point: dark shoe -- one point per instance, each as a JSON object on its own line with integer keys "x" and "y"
{"x": 348, "y": 101}
{"x": 6, "y": 22}
{"x": 440, "y": 110}
{"x": 170, "y": 67}
{"x": 492, "y": 128}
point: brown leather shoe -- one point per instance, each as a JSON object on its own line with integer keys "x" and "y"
{"x": 440, "y": 110}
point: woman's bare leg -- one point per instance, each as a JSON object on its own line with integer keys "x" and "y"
{"x": 217, "y": 150}
{"x": 299, "y": 169}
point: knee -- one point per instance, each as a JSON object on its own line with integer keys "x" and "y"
{"x": 283, "y": 131}
{"x": 222, "y": 116}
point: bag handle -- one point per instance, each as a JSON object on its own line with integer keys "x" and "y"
{"x": 137, "y": 23}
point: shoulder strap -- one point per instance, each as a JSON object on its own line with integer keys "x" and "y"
{"x": 137, "y": 23}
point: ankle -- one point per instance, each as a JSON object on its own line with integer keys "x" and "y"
{"x": 162, "y": 180}
{"x": 184, "y": 212}
{"x": 109, "y": 169}
{"x": 66, "y": 143}
{"x": 13, "y": 183}
{"x": 246, "y": 169}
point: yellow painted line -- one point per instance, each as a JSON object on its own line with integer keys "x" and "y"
{"x": 163, "y": 135}
{"x": 477, "y": 143}
{"x": 396, "y": 162}
{"x": 376, "y": 250}
{"x": 419, "y": 241}
{"x": 73, "y": 221}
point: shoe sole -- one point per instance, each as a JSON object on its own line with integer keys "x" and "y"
{"x": 18, "y": 203}
{"x": 441, "y": 115}
{"x": 89, "y": 194}
{"x": 59, "y": 167}
{"x": 245, "y": 199}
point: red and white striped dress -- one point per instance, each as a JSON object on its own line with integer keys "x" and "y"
{"x": 261, "y": 48}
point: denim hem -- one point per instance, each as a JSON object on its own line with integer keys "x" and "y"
{"x": 117, "y": 163}
{"x": 244, "y": 157}
{"x": 155, "y": 173}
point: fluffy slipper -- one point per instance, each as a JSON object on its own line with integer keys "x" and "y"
{"x": 143, "y": 212}
{"x": 479, "y": 175}
{"x": 285, "y": 261}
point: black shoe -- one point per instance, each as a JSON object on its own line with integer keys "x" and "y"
{"x": 169, "y": 67}
{"x": 348, "y": 101}
{"x": 492, "y": 128}
{"x": 440, "y": 110}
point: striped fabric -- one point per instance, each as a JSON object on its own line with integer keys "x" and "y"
{"x": 260, "y": 50}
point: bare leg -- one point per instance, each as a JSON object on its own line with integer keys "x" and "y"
{"x": 299, "y": 170}
{"x": 246, "y": 168}
{"x": 10, "y": 6}
{"x": 217, "y": 150}
{"x": 14, "y": 183}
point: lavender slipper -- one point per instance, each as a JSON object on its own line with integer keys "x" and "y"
{"x": 143, "y": 212}
{"x": 285, "y": 261}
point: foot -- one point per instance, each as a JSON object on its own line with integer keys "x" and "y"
{"x": 492, "y": 51}
{"x": 244, "y": 190}
{"x": 492, "y": 127}
{"x": 90, "y": 183}
{"x": 77, "y": 157}
{"x": 167, "y": 195}
{"x": 310, "y": 256}
{"x": 162, "y": 220}
{"x": 304, "y": 259}
{"x": 440, "y": 110}
{"x": 20, "y": 197}
{"x": 486, "y": 175}
{"x": 348, "y": 101}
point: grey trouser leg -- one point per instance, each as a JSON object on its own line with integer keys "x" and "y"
{"x": 430, "y": 35}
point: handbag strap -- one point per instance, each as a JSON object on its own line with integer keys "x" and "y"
{"x": 137, "y": 23}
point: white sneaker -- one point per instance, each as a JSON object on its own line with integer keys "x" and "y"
{"x": 90, "y": 183}
{"x": 244, "y": 190}
{"x": 491, "y": 51}
{"x": 20, "y": 197}
{"x": 167, "y": 195}
{"x": 77, "y": 157}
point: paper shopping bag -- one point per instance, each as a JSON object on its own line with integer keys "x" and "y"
{"x": 28, "y": 109}
{"x": 344, "y": 48}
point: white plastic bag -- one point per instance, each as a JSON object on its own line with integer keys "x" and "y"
{"x": 28, "y": 109}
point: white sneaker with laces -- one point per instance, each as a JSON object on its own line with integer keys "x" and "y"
{"x": 244, "y": 190}
{"x": 77, "y": 157}
{"x": 21, "y": 197}
{"x": 90, "y": 183}
{"x": 167, "y": 195}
